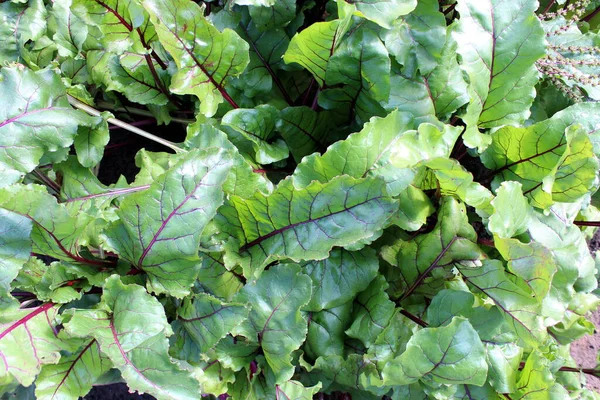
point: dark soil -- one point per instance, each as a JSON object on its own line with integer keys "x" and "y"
{"x": 117, "y": 391}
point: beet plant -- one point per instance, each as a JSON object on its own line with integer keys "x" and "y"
{"x": 369, "y": 199}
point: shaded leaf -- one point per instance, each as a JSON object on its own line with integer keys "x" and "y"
{"x": 304, "y": 130}
{"x": 266, "y": 48}
{"x": 439, "y": 93}
{"x": 275, "y": 322}
{"x": 373, "y": 311}
{"x": 326, "y": 331}
{"x": 278, "y": 15}
{"x": 362, "y": 65}
{"x": 258, "y": 126}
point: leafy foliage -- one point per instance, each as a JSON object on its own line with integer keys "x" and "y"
{"x": 373, "y": 198}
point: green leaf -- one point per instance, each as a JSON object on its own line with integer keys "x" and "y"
{"x": 362, "y": 65}
{"x": 74, "y": 375}
{"x": 452, "y": 354}
{"x": 20, "y": 24}
{"x": 258, "y": 126}
{"x": 208, "y": 320}
{"x": 393, "y": 152}
{"x": 266, "y": 49}
{"x": 65, "y": 23}
{"x": 90, "y": 142}
{"x": 37, "y": 122}
{"x": 415, "y": 208}
{"x": 535, "y": 379}
{"x": 304, "y": 130}
{"x": 452, "y": 242}
{"x": 569, "y": 248}
{"x": 123, "y": 24}
{"x": 338, "y": 278}
{"x": 530, "y": 261}
{"x": 56, "y": 229}
{"x": 453, "y": 179}
{"x": 173, "y": 211}
{"x": 216, "y": 279}
{"x": 275, "y": 322}
{"x": 384, "y": 12}
{"x": 551, "y": 162}
{"x": 417, "y": 40}
{"x": 326, "y": 331}
{"x": 303, "y": 224}
{"x": 499, "y": 42}
{"x": 295, "y": 390}
{"x": 242, "y": 181}
{"x": 348, "y": 157}
{"x": 354, "y": 372}
{"x": 447, "y": 304}
{"x": 313, "y": 47}
{"x": 27, "y": 341}
{"x": 131, "y": 328}
{"x": 511, "y": 211}
{"x": 518, "y": 308}
{"x": 439, "y": 93}
{"x": 137, "y": 76}
{"x": 373, "y": 311}
{"x": 392, "y": 340}
{"x": 15, "y": 247}
{"x": 204, "y": 67}
{"x": 277, "y": 15}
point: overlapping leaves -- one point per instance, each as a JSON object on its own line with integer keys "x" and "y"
{"x": 365, "y": 202}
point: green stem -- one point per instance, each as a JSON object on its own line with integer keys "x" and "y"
{"x": 92, "y": 111}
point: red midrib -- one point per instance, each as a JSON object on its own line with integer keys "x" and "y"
{"x": 72, "y": 366}
{"x": 287, "y": 227}
{"x": 25, "y": 319}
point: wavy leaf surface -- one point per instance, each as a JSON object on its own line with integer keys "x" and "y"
{"x": 204, "y": 67}
{"x": 499, "y": 42}
{"x": 304, "y": 224}
{"x": 275, "y": 322}
{"x": 174, "y": 211}
{"x": 135, "y": 340}
{"x": 38, "y": 121}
